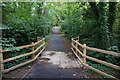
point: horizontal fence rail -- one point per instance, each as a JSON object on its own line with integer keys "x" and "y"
{"x": 40, "y": 49}
{"x": 75, "y": 44}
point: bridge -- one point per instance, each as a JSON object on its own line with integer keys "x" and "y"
{"x": 54, "y": 60}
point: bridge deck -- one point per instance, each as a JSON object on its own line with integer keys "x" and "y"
{"x": 57, "y": 61}
{"x": 56, "y": 65}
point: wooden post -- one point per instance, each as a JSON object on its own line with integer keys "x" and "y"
{"x": 33, "y": 55}
{"x": 1, "y": 62}
{"x": 84, "y": 51}
{"x": 38, "y": 38}
{"x": 44, "y": 42}
{"x": 72, "y": 43}
{"x": 76, "y": 47}
{"x": 78, "y": 38}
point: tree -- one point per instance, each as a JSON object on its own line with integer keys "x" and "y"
{"x": 111, "y": 18}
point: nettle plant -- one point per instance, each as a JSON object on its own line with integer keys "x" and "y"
{"x": 114, "y": 48}
{"x": 8, "y": 43}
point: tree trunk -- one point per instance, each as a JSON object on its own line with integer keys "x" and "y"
{"x": 95, "y": 9}
{"x": 111, "y": 19}
{"x": 100, "y": 32}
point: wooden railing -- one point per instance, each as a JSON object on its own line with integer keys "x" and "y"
{"x": 41, "y": 47}
{"x": 75, "y": 44}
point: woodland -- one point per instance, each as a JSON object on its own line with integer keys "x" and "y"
{"x": 96, "y": 23}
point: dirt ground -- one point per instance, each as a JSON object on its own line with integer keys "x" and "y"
{"x": 18, "y": 73}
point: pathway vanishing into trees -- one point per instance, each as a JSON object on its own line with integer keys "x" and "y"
{"x": 56, "y": 42}
{"x": 56, "y": 61}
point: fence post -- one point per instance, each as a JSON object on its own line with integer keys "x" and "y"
{"x": 38, "y": 38}
{"x": 78, "y": 38}
{"x": 33, "y": 55}
{"x": 84, "y": 51}
{"x": 1, "y": 62}
{"x": 44, "y": 42}
{"x": 72, "y": 43}
{"x": 76, "y": 47}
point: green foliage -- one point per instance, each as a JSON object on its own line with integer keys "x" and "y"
{"x": 104, "y": 57}
{"x": 22, "y": 22}
{"x": 8, "y": 43}
{"x": 16, "y": 53}
{"x": 113, "y": 48}
{"x": 25, "y": 21}
{"x": 90, "y": 21}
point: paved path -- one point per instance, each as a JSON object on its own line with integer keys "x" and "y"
{"x": 56, "y": 42}
{"x": 56, "y": 61}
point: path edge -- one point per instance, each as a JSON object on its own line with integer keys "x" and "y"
{"x": 28, "y": 71}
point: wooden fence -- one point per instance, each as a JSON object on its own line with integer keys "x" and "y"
{"x": 75, "y": 44}
{"x": 41, "y": 47}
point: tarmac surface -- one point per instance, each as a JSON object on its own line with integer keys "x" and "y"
{"x": 56, "y": 62}
{"x": 56, "y": 42}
